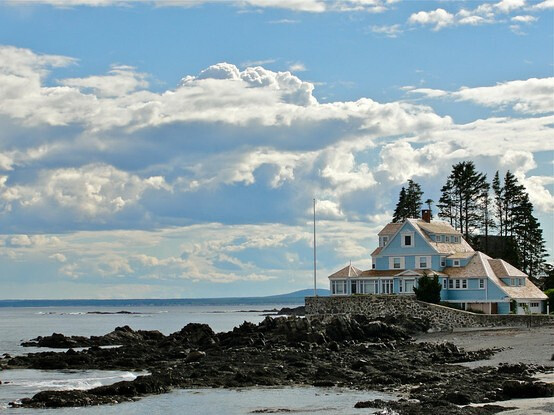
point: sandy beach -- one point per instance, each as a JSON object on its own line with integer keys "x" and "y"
{"x": 524, "y": 345}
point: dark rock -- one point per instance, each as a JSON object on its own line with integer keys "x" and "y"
{"x": 195, "y": 356}
{"x": 518, "y": 390}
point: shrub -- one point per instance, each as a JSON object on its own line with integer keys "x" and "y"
{"x": 428, "y": 289}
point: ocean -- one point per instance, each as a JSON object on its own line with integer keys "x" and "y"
{"x": 21, "y": 323}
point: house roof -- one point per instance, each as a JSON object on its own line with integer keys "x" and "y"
{"x": 437, "y": 227}
{"x": 346, "y": 272}
{"x": 482, "y": 265}
{"x": 390, "y": 229}
{"x": 461, "y": 255}
{"x": 380, "y": 273}
{"x": 504, "y": 270}
{"x": 377, "y": 250}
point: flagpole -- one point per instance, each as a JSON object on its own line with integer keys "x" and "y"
{"x": 315, "y": 268}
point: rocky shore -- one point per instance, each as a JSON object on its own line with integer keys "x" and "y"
{"x": 344, "y": 351}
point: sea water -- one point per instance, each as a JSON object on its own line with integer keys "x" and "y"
{"x": 18, "y": 324}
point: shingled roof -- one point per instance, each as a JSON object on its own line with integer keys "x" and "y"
{"x": 347, "y": 272}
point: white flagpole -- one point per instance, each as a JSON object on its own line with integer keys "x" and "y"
{"x": 315, "y": 267}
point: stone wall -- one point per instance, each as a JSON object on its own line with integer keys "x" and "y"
{"x": 440, "y": 317}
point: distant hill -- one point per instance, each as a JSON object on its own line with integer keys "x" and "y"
{"x": 293, "y": 298}
{"x": 302, "y": 293}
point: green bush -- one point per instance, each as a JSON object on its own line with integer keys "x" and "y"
{"x": 428, "y": 289}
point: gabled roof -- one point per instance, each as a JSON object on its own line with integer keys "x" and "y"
{"x": 377, "y": 250}
{"x": 412, "y": 222}
{"x": 504, "y": 270}
{"x": 442, "y": 228}
{"x": 482, "y": 265}
{"x": 346, "y": 272}
{"x": 390, "y": 229}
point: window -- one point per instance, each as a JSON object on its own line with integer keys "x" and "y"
{"x": 535, "y": 305}
{"x": 354, "y": 287}
{"x": 447, "y": 238}
{"x": 457, "y": 284}
{"x": 370, "y": 287}
{"x": 521, "y": 281}
{"x": 444, "y": 283}
{"x": 400, "y": 284}
{"x": 437, "y": 238}
{"x": 408, "y": 239}
{"x": 423, "y": 262}
{"x": 338, "y": 287}
{"x": 409, "y": 286}
{"x": 386, "y": 287}
{"x": 396, "y": 263}
{"x": 385, "y": 240}
{"x": 372, "y": 266}
{"x": 443, "y": 261}
{"x": 513, "y": 281}
{"x": 482, "y": 283}
{"x": 455, "y": 239}
{"x": 456, "y": 263}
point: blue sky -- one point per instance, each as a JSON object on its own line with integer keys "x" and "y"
{"x": 173, "y": 148}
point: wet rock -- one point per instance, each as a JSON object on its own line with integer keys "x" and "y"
{"x": 523, "y": 390}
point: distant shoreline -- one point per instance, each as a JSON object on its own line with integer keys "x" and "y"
{"x": 294, "y": 298}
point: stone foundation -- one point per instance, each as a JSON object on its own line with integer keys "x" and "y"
{"x": 441, "y": 318}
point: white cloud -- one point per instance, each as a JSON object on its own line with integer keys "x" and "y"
{"x": 58, "y": 257}
{"x": 545, "y": 5}
{"x": 297, "y": 67}
{"x": 121, "y": 80}
{"x": 389, "y": 31}
{"x": 439, "y": 18}
{"x": 89, "y": 191}
{"x": 530, "y": 96}
{"x": 524, "y": 19}
{"x": 310, "y": 6}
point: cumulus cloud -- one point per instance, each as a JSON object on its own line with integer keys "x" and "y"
{"x": 485, "y": 13}
{"x": 89, "y": 191}
{"x": 389, "y": 31}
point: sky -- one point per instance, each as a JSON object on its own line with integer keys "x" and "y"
{"x": 166, "y": 149}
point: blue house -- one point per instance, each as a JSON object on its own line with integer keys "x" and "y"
{"x": 470, "y": 279}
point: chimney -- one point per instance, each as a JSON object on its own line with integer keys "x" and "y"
{"x": 426, "y": 215}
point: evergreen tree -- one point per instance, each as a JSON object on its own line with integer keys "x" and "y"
{"x": 524, "y": 242}
{"x": 461, "y": 196}
{"x": 428, "y": 289}
{"x": 409, "y": 202}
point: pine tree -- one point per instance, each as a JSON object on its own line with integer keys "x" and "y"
{"x": 409, "y": 202}
{"x": 400, "y": 212}
{"x": 524, "y": 241}
{"x": 461, "y": 195}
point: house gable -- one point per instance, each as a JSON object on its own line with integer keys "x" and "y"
{"x": 396, "y": 245}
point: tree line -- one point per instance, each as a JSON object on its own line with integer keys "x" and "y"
{"x": 496, "y": 218}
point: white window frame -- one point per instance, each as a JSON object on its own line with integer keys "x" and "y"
{"x": 481, "y": 283}
{"x": 437, "y": 238}
{"x": 443, "y": 261}
{"x": 455, "y": 262}
{"x": 445, "y": 283}
{"x": 400, "y": 258}
{"x": 457, "y": 284}
{"x": 403, "y": 285}
{"x": 412, "y": 241}
{"x": 534, "y": 305}
{"x": 427, "y": 262}
{"x": 387, "y": 285}
{"x": 385, "y": 240}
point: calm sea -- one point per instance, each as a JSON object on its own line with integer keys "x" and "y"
{"x": 23, "y": 323}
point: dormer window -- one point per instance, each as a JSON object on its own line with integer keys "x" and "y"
{"x": 437, "y": 238}
{"x": 447, "y": 238}
{"x": 408, "y": 239}
{"x": 385, "y": 240}
{"x": 456, "y": 263}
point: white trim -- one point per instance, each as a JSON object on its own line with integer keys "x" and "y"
{"x": 402, "y": 262}
{"x": 427, "y": 262}
{"x": 412, "y": 239}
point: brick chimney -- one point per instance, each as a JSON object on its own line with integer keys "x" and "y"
{"x": 426, "y": 215}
